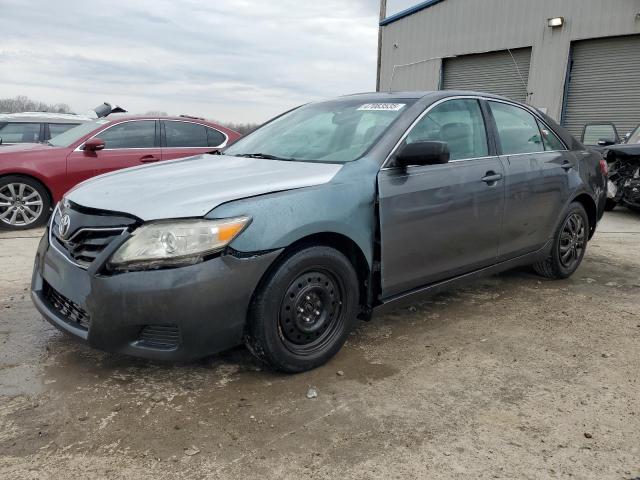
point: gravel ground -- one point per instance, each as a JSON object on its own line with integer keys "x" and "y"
{"x": 512, "y": 377}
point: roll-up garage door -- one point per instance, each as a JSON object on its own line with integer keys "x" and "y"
{"x": 501, "y": 73}
{"x": 604, "y": 84}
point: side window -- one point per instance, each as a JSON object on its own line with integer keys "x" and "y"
{"x": 214, "y": 137}
{"x": 20, "y": 132}
{"x": 518, "y": 129}
{"x": 58, "y": 128}
{"x": 140, "y": 134}
{"x": 459, "y": 123}
{"x": 549, "y": 139}
{"x": 184, "y": 134}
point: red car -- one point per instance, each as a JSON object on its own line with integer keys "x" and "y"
{"x": 33, "y": 177}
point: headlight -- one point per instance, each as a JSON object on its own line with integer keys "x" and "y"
{"x": 174, "y": 243}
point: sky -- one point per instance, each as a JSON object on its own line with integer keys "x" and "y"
{"x": 228, "y": 60}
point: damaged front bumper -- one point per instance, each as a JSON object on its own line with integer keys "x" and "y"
{"x": 175, "y": 314}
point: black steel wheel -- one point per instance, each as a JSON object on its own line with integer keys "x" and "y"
{"x": 303, "y": 310}
{"x": 569, "y": 244}
{"x": 311, "y": 309}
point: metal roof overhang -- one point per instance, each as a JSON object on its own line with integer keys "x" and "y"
{"x": 409, "y": 11}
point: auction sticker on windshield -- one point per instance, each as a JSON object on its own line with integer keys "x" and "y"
{"x": 385, "y": 107}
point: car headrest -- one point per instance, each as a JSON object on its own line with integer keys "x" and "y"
{"x": 456, "y": 132}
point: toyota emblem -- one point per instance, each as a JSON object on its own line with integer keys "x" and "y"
{"x": 64, "y": 225}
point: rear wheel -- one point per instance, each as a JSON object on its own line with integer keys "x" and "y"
{"x": 304, "y": 310}
{"x": 569, "y": 245}
{"x": 24, "y": 203}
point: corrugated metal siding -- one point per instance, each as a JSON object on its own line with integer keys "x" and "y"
{"x": 604, "y": 85}
{"x": 496, "y": 72}
{"x": 463, "y": 27}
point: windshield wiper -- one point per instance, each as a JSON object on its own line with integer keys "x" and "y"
{"x": 265, "y": 156}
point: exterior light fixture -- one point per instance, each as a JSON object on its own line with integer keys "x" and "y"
{"x": 555, "y": 22}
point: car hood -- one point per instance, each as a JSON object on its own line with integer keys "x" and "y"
{"x": 24, "y": 147}
{"x": 28, "y": 154}
{"x": 624, "y": 150}
{"x": 193, "y": 186}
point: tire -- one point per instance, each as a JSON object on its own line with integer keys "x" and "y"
{"x": 303, "y": 311}
{"x": 569, "y": 245}
{"x": 24, "y": 203}
{"x": 610, "y": 204}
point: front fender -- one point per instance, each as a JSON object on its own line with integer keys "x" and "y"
{"x": 282, "y": 218}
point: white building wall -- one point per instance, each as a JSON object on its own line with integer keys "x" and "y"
{"x": 459, "y": 27}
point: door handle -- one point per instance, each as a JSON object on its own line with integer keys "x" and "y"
{"x": 149, "y": 159}
{"x": 491, "y": 177}
{"x": 566, "y": 165}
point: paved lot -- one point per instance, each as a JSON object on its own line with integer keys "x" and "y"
{"x": 512, "y": 377}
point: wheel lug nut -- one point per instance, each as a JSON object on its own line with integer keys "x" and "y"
{"x": 316, "y": 312}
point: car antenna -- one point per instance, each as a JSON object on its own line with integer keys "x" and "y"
{"x": 393, "y": 72}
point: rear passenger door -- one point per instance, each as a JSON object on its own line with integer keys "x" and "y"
{"x": 536, "y": 164}
{"x": 185, "y": 138}
{"x": 441, "y": 221}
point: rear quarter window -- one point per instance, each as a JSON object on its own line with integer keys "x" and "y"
{"x": 215, "y": 138}
{"x": 56, "y": 129}
{"x": 550, "y": 139}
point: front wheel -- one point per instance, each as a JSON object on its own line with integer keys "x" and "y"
{"x": 569, "y": 245}
{"x": 302, "y": 313}
{"x": 24, "y": 203}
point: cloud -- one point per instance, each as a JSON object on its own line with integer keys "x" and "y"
{"x": 237, "y": 60}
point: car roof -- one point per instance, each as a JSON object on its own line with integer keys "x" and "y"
{"x": 182, "y": 118}
{"x": 393, "y": 95}
{"x": 27, "y": 117}
{"x": 383, "y": 96}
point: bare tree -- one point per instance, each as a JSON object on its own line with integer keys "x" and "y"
{"x": 242, "y": 128}
{"x": 22, "y": 103}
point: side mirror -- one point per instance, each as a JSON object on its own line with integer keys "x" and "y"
{"x": 605, "y": 142}
{"x": 93, "y": 144}
{"x": 422, "y": 153}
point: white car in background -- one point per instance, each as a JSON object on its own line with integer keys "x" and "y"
{"x": 40, "y": 127}
{"x": 36, "y": 127}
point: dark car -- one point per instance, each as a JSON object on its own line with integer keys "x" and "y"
{"x": 33, "y": 177}
{"x": 316, "y": 219}
{"x": 623, "y": 161}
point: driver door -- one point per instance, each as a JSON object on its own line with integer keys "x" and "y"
{"x": 127, "y": 144}
{"x": 441, "y": 221}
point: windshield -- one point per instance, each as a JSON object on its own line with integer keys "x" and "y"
{"x": 635, "y": 136}
{"x": 335, "y": 131}
{"x": 74, "y": 134}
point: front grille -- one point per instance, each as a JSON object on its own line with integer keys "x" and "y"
{"x": 70, "y": 311}
{"x": 84, "y": 244}
{"x": 166, "y": 337}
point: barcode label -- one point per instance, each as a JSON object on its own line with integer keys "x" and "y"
{"x": 384, "y": 107}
